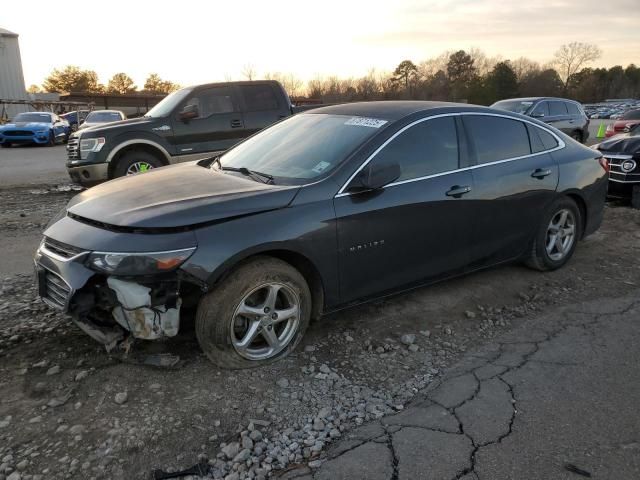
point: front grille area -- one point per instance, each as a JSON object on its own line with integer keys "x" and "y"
{"x": 73, "y": 150}
{"x": 56, "y": 292}
{"x": 18, "y": 133}
{"x": 61, "y": 249}
{"x": 615, "y": 168}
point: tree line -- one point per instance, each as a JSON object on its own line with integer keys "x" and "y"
{"x": 462, "y": 76}
{"x": 74, "y": 79}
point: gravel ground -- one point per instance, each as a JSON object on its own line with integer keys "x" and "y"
{"x": 70, "y": 410}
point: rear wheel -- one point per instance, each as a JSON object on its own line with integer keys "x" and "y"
{"x": 577, "y": 136}
{"x": 136, "y": 161}
{"x": 256, "y": 316}
{"x": 557, "y": 236}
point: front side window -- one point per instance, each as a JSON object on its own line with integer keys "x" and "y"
{"x": 259, "y": 97}
{"x": 541, "y": 110}
{"x": 302, "y": 147}
{"x": 557, "y": 109}
{"x": 212, "y": 101}
{"x": 427, "y": 148}
{"x": 497, "y": 138}
{"x": 573, "y": 109}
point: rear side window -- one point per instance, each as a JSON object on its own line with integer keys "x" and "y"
{"x": 541, "y": 140}
{"x": 427, "y": 148}
{"x": 259, "y": 97}
{"x": 497, "y": 138}
{"x": 557, "y": 108}
{"x": 573, "y": 109}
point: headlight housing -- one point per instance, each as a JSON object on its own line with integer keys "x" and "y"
{"x": 144, "y": 263}
{"x": 91, "y": 145}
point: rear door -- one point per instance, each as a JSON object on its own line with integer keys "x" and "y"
{"x": 559, "y": 116}
{"x": 217, "y": 127}
{"x": 415, "y": 228}
{"x": 263, "y": 104}
{"x": 515, "y": 179}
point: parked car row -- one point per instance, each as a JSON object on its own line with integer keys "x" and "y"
{"x": 322, "y": 210}
{"x": 611, "y": 110}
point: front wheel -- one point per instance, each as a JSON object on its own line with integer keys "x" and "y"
{"x": 136, "y": 161}
{"x": 635, "y": 197}
{"x": 557, "y": 236}
{"x": 5, "y": 145}
{"x": 257, "y": 315}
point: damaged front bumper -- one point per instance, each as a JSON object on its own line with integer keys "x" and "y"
{"x": 108, "y": 308}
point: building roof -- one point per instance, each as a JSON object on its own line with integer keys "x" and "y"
{"x": 6, "y": 33}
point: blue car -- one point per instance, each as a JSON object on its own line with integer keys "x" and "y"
{"x": 43, "y": 128}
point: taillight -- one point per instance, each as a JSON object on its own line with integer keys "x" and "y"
{"x": 610, "y": 127}
{"x": 604, "y": 163}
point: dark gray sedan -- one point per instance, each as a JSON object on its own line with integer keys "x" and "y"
{"x": 321, "y": 211}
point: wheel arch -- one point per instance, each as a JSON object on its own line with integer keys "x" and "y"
{"x": 577, "y": 197}
{"x": 139, "y": 144}
{"x": 297, "y": 260}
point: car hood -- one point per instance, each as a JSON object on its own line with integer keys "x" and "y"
{"x": 128, "y": 123}
{"x": 178, "y": 196}
{"x": 623, "y": 143}
{"x": 29, "y": 125}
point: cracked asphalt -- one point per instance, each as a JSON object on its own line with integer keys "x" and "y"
{"x": 556, "y": 398}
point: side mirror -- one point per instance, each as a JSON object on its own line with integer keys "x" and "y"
{"x": 189, "y": 112}
{"x": 537, "y": 114}
{"x": 374, "y": 177}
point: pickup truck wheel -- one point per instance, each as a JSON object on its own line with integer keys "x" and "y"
{"x": 557, "y": 236}
{"x": 136, "y": 161}
{"x": 257, "y": 314}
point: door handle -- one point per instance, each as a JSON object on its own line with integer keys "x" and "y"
{"x": 457, "y": 191}
{"x": 540, "y": 173}
{"x": 236, "y": 123}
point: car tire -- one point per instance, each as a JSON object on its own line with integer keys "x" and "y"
{"x": 133, "y": 162}
{"x": 549, "y": 252}
{"x": 224, "y": 329}
{"x": 52, "y": 139}
{"x": 577, "y": 136}
{"x": 635, "y": 197}
{"x": 5, "y": 145}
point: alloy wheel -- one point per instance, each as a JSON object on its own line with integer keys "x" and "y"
{"x": 139, "y": 167}
{"x": 265, "y": 321}
{"x": 560, "y": 234}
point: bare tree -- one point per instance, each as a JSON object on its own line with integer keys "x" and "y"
{"x": 522, "y": 67}
{"x": 290, "y": 82}
{"x": 249, "y": 71}
{"x": 570, "y": 58}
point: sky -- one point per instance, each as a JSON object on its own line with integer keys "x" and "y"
{"x": 198, "y": 41}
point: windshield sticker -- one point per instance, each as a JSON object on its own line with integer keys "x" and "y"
{"x": 365, "y": 122}
{"x": 321, "y": 167}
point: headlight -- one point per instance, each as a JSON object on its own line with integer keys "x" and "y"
{"x": 146, "y": 263}
{"x": 91, "y": 144}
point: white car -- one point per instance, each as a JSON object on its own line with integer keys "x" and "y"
{"x": 100, "y": 117}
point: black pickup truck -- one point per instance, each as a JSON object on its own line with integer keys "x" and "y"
{"x": 190, "y": 124}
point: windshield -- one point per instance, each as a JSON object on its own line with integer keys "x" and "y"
{"x": 517, "y": 106}
{"x": 168, "y": 103}
{"x": 631, "y": 115}
{"x": 302, "y": 147}
{"x": 103, "y": 117}
{"x": 33, "y": 117}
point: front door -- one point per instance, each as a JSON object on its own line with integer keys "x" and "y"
{"x": 414, "y": 229}
{"x": 217, "y": 126}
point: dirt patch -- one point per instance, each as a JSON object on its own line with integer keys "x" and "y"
{"x": 70, "y": 410}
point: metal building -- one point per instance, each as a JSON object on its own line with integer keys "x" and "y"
{"x": 11, "y": 77}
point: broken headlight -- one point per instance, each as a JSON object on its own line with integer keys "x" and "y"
{"x": 146, "y": 263}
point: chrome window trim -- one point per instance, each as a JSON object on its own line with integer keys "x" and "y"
{"x": 561, "y": 145}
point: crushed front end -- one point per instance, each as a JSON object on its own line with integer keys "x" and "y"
{"x": 115, "y": 296}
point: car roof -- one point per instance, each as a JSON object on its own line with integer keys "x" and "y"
{"x": 395, "y": 109}
{"x": 535, "y": 99}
